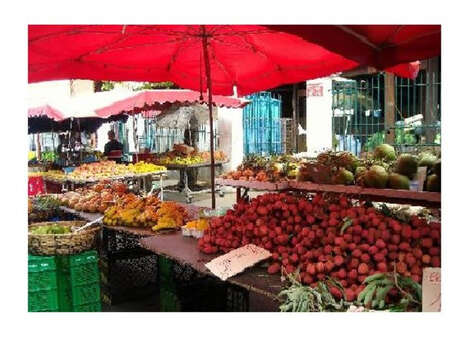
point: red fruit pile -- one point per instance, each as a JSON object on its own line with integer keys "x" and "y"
{"x": 307, "y": 234}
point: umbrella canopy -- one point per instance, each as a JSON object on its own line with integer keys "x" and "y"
{"x": 57, "y": 114}
{"x": 82, "y": 106}
{"x": 157, "y": 101}
{"x": 379, "y": 46}
{"x": 250, "y": 57}
{"x": 272, "y": 55}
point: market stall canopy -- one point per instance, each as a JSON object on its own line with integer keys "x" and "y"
{"x": 250, "y": 57}
{"x": 379, "y": 46}
{"x": 81, "y": 106}
{"x": 157, "y": 101}
{"x": 48, "y": 114}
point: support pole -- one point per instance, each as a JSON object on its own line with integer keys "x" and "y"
{"x": 211, "y": 125}
{"x": 389, "y": 108}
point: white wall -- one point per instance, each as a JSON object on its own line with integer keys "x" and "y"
{"x": 230, "y": 124}
{"x": 48, "y": 89}
{"x": 231, "y": 135}
{"x": 319, "y": 115}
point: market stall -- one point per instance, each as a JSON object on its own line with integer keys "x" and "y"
{"x": 323, "y": 252}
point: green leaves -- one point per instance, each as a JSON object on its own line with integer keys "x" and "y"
{"x": 302, "y": 298}
{"x": 379, "y": 285}
{"x": 347, "y": 222}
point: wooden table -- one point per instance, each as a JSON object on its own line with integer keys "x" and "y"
{"x": 397, "y": 196}
{"x": 243, "y": 187}
{"x": 263, "y": 287}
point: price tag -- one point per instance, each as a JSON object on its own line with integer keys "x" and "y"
{"x": 431, "y": 289}
{"x": 237, "y": 260}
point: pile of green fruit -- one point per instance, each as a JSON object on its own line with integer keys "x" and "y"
{"x": 384, "y": 169}
{"x": 53, "y": 229}
{"x": 387, "y": 170}
{"x": 330, "y": 168}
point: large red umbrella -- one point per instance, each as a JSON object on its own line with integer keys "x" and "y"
{"x": 212, "y": 58}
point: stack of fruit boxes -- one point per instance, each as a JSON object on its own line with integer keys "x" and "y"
{"x": 79, "y": 282}
{"x": 43, "y": 294}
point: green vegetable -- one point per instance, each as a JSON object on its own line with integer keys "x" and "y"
{"x": 53, "y": 229}
{"x": 302, "y": 298}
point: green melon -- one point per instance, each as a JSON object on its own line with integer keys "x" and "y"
{"x": 376, "y": 177}
{"x": 397, "y": 181}
{"x": 343, "y": 176}
{"x": 385, "y": 152}
{"x": 407, "y": 164}
{"x": 433, "y": 183}
{"x": 426, "y": 159}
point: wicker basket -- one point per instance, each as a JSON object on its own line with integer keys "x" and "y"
{"x": 65, "y": 244}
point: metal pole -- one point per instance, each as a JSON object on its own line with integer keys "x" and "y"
{"x": 211, "y": 126}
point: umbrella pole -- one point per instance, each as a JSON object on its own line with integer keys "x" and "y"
{"x": 211, "y": 125}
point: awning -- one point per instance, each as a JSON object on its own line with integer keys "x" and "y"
{"x": 157, "y": 101}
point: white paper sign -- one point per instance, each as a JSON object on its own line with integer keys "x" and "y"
{"x": 431, "y": 289}
{"x": 237, "y": 260}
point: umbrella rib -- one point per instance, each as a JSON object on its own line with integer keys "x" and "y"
{"x": 252, "y": 47}
{"x": 426, "y": 34}
{"x": 359, "y": 37}
{"x": 221, "y": 64}
{"x": 175, "y": 54}
{"x": 391, "y": 36}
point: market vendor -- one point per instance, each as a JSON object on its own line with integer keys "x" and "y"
{"x": 113, "y": 145}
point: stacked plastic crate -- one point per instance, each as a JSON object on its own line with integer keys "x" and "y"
{"x": 64, "y": 283}
{"x": 43, "y": 294}
{"x": 262, "y": 124}
{"x": 78, "y": 282}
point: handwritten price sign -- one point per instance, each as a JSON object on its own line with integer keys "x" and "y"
{"x": 431, "y": 289}
{"x": 237, "y": 260}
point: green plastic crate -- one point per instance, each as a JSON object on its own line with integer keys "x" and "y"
{"x": 83, "y": 268}
{"x": 42, "y": 273}
{"x": 42, "y": 285}
{"x": 85, "y": 294}
{"x": 78, "y": 281}
{"x": 46, "y": 300}
{"x": 90, "y": 307}
{"x": 169, "y": 301}
{"x": 165, "y": 271}
{"x": 64, "y": 292}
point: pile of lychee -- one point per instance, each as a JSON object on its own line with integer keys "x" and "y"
{"x": 322, "y": 238}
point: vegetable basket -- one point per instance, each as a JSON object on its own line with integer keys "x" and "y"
{"x": 63, "y": 244}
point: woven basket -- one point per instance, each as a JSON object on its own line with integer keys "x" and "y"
{"x": 65, "y": 244}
